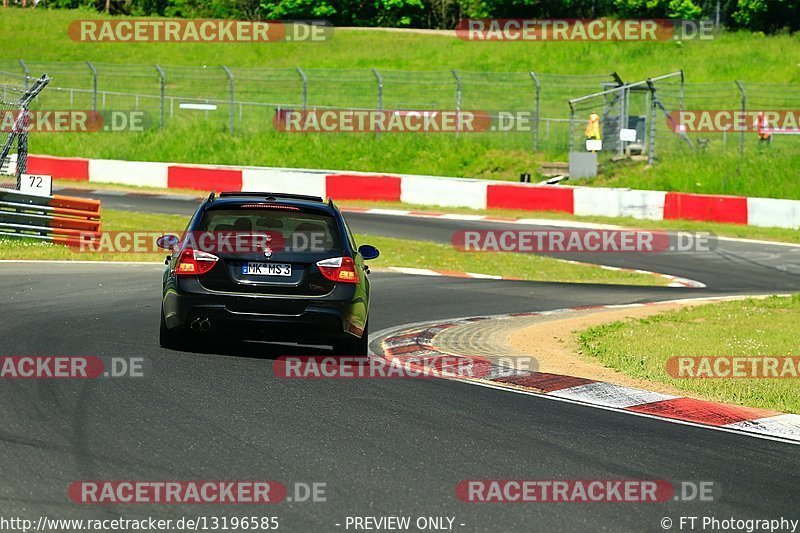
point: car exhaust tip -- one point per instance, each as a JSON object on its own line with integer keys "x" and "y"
{"x": 195, "y": 325}
{"x": 205, "y": 325}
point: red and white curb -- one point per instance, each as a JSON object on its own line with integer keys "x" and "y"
{"x": 429, "y": 190}
{"x": 411, "y": 344}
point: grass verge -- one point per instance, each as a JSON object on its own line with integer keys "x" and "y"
{"x": 751, "y": 327}
{"x": 394, "y": 252}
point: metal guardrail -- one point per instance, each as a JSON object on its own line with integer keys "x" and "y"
{"x": 58, "y": 219}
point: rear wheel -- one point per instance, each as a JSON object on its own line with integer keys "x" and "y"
{"x": 354, "y": 346}
{"x": 174, "y": 339}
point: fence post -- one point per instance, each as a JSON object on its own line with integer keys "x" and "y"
{"x": 380, "y": 92}
{"x": 94, "y": 86}
{"x": 233, "y": 105}
{"x": 458, "y": 97}
{"x": 536, "y": 115}
{"x": 304, "y": 79}
{"x": 380, "y": 88}
{"x": 163, "y": 83}
{"x": 571, "y": 126}
{"x": 27, "y": 73}
{"x": 680, "y": 99}
{"x": 651, "y": 148}
{"x": 741, "y": 134}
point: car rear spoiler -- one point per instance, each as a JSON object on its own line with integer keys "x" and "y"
{"x": 269, "y": 195}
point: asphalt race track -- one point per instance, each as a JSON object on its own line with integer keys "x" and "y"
{"x": 383, "y": 447}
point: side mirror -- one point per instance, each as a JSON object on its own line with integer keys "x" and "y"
{"x": 368, "y": 252}
{"x": 167, "y": 242}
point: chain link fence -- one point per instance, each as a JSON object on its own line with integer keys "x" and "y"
{"x": 247, "y": 100}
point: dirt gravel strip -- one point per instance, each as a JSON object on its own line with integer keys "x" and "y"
{"x": 530, "y": 352}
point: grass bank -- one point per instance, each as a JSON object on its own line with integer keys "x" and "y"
{"x": 752, "y": 327}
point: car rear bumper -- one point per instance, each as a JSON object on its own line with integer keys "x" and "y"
{"x": 337, "y": 315}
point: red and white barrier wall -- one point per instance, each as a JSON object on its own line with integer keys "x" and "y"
{"x": 430, "y": 190}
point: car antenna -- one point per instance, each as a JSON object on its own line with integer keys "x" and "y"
{"x": 212, "y": 196}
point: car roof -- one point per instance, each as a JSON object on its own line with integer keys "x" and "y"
{"x": 236, "y": 198}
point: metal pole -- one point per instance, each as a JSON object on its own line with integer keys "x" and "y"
{"x": 94, "y": 86}
{"x": 380, "y": 88}
{"x": 741, "y": 134}
{"x": 27, "y": 73}
{"x": 163, "y": 83}
{"x": 651, "y": 148}
{"x": 680, "y": 99}
{"x": 305, "y": 87}
{"x": 233, "y": 105}
{"x": 623, "y": 119}
{"x": 536, "y": 114}
{"x": 647, "y": 105}
{"x": 571, "y": 127}
{"x": 458, "y": 96}
{"x": 380, "y": 92}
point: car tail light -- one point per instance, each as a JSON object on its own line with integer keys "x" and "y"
{"x": 195, "y": 263}
{"x": 341, "y": 269}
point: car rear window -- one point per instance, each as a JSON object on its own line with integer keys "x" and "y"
{"x": 300, "y": 231}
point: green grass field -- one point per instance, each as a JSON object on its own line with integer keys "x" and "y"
{"x": 40, "y": 37}
{"x": 763, "y": 327}
{"x": 394, "y": 252}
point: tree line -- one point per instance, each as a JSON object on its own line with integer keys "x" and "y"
{"x": 769, "y": 16}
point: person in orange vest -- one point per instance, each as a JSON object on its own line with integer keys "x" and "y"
{"x": 761, "y": 126}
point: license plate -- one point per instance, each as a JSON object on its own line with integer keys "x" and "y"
{"x": 267, "y": 269}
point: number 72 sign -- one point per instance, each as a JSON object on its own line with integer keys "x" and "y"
{"x": 36, "y": 184}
